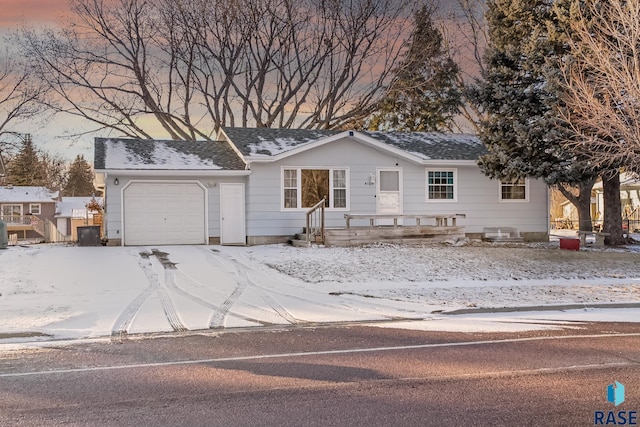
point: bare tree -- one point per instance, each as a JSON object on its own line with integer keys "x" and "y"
{"x": 106, "y": 66}
{"x": 466, "y": 36}
{"x": 603, "y": 82}
{"x": 189, "y": 67}
{"x": 20, "y": 100}
{"x": 603, "y": 95}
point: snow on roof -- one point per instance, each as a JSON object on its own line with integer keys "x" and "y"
{"x": 27, "y": 194}
{"x": 433, "y": 145}
{"x": 273, "y": 141}
{"x": 425, "y": 145}
{"x": 121, "y": 154}
{"x": 74, "y": 207}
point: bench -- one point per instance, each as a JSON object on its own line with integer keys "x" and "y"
{"x": 599, "y": 236}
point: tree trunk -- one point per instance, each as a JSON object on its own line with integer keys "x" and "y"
{"x": 584, "y": 208}
{"x": 582, "y": 202}
{"x": 612, "y": 210}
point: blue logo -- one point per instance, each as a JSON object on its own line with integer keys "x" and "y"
{"x": 615, "y": 393}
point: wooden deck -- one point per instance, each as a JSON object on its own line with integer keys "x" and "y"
{"x": 23, "y": 224}
{"x": 412, "y": 231}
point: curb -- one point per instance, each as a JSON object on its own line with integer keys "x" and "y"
{"x": 563, "y": 307}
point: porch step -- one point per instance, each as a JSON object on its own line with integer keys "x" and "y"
{"x": 501, "y": 234}
{"x": 299, "y": 243}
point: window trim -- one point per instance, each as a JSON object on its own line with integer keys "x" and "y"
{"x": 501, "y": 183}
{"x": 39, "y": 205}
{"x": 455, "y": 185}
{"x": 2, "y": 215}
{"x": 299, "y": 170}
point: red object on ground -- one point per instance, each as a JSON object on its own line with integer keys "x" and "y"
{"x": 570, "y": 244}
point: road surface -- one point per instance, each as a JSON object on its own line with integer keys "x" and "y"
{"x": 350, "y": 375}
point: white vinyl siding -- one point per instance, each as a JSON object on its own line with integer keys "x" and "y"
{"x": 476, "y": 195}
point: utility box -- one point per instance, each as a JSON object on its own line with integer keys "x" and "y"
{"x": 4, "y": 235}
{"x": 89, "y": 235}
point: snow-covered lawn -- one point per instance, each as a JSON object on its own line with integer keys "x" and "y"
{"x": 69, "y": 292}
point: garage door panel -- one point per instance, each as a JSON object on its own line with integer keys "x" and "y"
{"x": 164, "y": 213}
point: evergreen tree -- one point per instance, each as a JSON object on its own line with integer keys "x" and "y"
{"x": 521, "y": 96}
{"x": 79, "y": 181}
{"x": 424, "y": 95}
{"x": 26, "y": 166}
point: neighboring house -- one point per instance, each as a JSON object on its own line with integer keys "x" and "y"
{"x": 254, "y": 186}
{"x": 26, "y": 209}
{"x": 629, "y": 195}
{"x": 629, "y": 199}
{"x": 71, "y": 213}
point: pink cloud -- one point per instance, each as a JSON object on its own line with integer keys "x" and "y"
{"x": 13, "y": 12}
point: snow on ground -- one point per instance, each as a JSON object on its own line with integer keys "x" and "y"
{"x": 53, "y": 292}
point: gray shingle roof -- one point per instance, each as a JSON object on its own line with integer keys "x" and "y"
{"x": 270, "y": 142}
{"x": 428, "y": 146}
{"x": 434, "y": 146}
{"x": 142, "y": 154}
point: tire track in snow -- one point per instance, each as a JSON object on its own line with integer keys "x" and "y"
{"x": 344, "y": 305}
{"x": 238, "y": 270}
{"x": 123, "y": 323}
{"x": 219, "y": 311}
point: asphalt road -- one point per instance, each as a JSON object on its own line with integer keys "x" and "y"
{"x": 342, "y": 376}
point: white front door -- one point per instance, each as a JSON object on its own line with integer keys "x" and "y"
{"x": 232, "y": 223}
{"x": 389, "y": 194}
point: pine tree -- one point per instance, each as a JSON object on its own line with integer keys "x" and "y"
{"x": 26, "y": 166}
{"x": 79, "y": 181}
{"x": 424, "y": 95}
{"x": 521, "y": 96}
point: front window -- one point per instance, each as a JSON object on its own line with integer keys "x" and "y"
{"x": 441, "y": 185}
{"x": 34, "y": 208}
{"x": 515, "y": 190}
{"x": 304, "y": 188}
{"x": 290, "y": 183}
{"x": 11, "y": 213}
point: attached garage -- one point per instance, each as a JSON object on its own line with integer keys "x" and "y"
{"x": 164, "y": 213}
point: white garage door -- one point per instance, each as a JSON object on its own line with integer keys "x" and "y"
{"x": 164, "y": 213}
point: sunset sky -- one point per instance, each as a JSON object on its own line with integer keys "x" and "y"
{"x": 37, "y": 13}
{"x": 13, "y": 11}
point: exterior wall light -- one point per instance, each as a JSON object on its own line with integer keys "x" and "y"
{"x": 116, "y": 182}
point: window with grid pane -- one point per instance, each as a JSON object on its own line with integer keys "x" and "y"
{"x": 304, "y": 188}
{"x": 441, "y": 185}
{"x": 513, "y": 190}
{"x": 339, "y": 188}
{"x": 290, "y": 183}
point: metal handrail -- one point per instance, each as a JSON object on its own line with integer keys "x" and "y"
{"x": 315, "y": 222}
